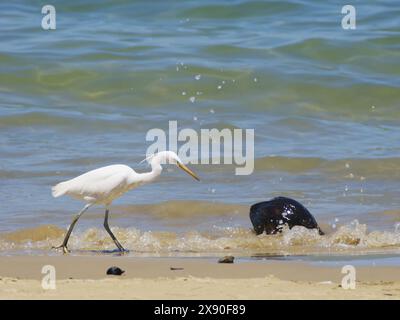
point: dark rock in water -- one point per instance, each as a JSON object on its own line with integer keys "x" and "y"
{"x": 271, "y": 216}
{"x": 115, "y": 271}
{"x": 226, "y": 259}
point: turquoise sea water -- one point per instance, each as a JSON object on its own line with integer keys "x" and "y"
{"x": 324, "y": 103}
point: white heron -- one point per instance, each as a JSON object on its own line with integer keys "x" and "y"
{"x": 102, "y": 186}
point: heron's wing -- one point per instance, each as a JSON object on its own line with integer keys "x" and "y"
{"x": 104, "y": 187}
{"x": 97, "y": 183}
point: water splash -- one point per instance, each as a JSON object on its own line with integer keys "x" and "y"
{"x": 350, "y": 238}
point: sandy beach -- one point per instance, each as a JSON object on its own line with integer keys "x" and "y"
{"x": 84, "y": 277}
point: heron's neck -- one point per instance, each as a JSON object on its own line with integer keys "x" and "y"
{"x": 154, "y": 173}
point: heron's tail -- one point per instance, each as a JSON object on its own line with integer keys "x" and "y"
{"x": 59, "y": 190}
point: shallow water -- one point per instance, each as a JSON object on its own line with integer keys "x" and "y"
{"x": 324, "y": 104}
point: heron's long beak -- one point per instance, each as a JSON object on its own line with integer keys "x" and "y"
{"x": 187, "y": 170}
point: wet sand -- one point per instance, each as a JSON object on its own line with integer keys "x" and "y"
{"x": 84, "y": 277}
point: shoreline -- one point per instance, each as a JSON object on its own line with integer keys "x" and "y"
{"x": 84, "y": 277}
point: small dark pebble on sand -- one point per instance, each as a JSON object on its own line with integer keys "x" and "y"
{"x": 115, "y": 271}
{"x": 226, "y": 259}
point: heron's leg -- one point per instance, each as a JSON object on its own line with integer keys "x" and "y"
{"x": 71, "y": 227}
{"x": 107, "y": 227}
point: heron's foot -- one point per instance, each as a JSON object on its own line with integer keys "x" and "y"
{"x": 63, "y": 247}
{"x": 119, "y": 246}
{"x": 122, "y": 250}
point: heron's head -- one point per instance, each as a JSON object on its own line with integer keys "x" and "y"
{"x": 170, "y": 157}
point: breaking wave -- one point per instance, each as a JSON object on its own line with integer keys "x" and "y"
{"x": 350, "y": 238}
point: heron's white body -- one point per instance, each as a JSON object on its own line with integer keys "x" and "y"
{"x": 103, "y": 185}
